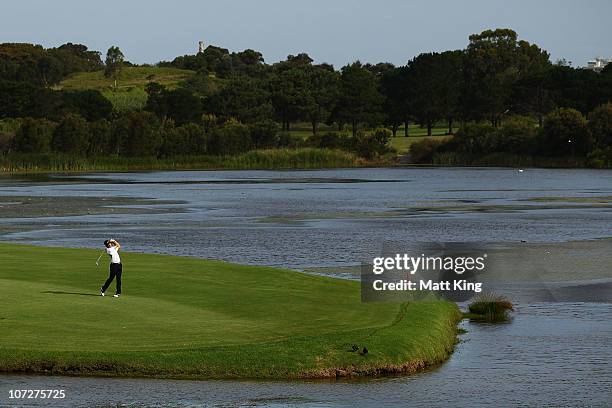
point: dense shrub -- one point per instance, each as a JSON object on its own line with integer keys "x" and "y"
{"x": 370, "y": 145}
{"x": 288, "y": 140}
{"x": 424, "y": 150}
{"x": 8, "y": 129}
{"x": 231, "y": 138}
{"x": 600, "y": 158}
{"x": 516, "y": 135}
{"x": 565, "y": 133}
{"x": 189, "y": 139}
{"x": 600, "y": 125}
{"x": 264, "y": 134}
{"x": 329, "y": 140}
{"x": 474, "y": 138}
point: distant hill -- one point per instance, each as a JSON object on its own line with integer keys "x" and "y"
{"x": 130, "y": 93}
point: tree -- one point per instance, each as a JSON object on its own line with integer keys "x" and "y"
{"x": 248, "y": 62}
{"x": 90, "y": 104}
{"x": 188, "y": 139}
{"x": 380, "y": 69}
{"x": 574, "y": 88}
{"x": 180, "y": 104}
{"x": 34, "y": 136}
{"x": 156, "y": 99}
{"x": 200, "y": 84}
{"x": 370, "y": 145}
{"x": 245, "y": 99}
{"x": 290, "y": 93}
{"x": 71, "y": 135}
{"x": 231, "y": 138}
{"x": 532, "y": 95}
{"x": 99, "y": 138}
{"x": 449, "y": 80}
{"x": 50, "y": 70}
{"x": 396, "y": 87}
{"x": 323, "y": 83}
{"x": 565, "y": 132}
{"x": 302, "y": 91}
{"x": 474, "y": 138}
{"x": 516, "y": 135}
{"x": 494, "y": 62}
{"x": 45, "y": 67}
{"x": 435, "y": 85}
{"x": 8, "y": 129}
{"x": 264, "y": 134}
{"x": 137, "y": 134}
{"x": 600, "y": 124}
{"x": 29, "y": 63}
{"x": 76, "y": 58}
{"x": 114, "y": 63}
{"x": 183, "y": 106}
{"x": 360, "y": 100}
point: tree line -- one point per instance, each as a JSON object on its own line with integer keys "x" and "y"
{"x": 237, "y": 102}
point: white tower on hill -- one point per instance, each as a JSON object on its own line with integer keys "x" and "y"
{"x": 200, "y": 47}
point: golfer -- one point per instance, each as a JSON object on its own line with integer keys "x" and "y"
{"x": 112, "y": 249}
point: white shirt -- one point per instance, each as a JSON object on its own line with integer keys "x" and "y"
{"x": 114, "y": 254}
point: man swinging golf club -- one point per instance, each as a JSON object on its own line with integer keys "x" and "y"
{"x": 112, "y": 249}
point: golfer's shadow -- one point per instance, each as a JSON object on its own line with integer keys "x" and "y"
{"x": 57, "y": 292}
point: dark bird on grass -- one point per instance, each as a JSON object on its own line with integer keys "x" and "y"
{"x": 354, "y": 348}
{"x": 365, "y": 351}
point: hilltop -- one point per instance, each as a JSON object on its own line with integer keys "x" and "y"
{"x": 131, "y": 81}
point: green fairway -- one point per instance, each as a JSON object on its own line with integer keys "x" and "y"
{"x": 400, "y": 143}
{"x": 193, "y": 318}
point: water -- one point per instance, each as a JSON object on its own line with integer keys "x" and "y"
{"x": 301, "y": 219}
{"x": 551, "y": 353}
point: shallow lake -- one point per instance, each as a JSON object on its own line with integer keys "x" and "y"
{"x": 551, "y": 353}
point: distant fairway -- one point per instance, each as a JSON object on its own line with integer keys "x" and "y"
{"x": 192, "y": 318}
{"x": 130, "y": 93}
{"x": 400, "y": 143}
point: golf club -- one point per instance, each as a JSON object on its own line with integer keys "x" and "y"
{"x": 98, "y": 260}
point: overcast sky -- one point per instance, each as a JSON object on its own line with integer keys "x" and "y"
{"x": 334, "y": 31}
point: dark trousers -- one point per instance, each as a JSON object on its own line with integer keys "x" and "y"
{"x": 115, "y": 272}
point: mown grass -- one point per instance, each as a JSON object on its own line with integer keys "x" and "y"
{"x": 131, "y": 81}
{"x": 192, "y": 318}
{"x": 303, "y": 158}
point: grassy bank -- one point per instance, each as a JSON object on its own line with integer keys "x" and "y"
{"x": 507, "y": 160}
{"x": 305, "y": 158}
{"x": 192, "y": 318}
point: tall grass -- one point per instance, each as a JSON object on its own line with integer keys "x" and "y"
{"x": 506, "y": 160}
{"x": 304, "y": 158}
{"x": 126, "y": 99}
{"x": 490, "y": 307}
